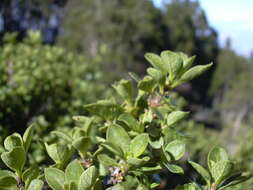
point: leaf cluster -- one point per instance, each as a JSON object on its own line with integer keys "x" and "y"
{"x": 124, "y": 141}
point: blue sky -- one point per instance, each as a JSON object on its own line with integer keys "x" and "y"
{"x": 231, "y": 18}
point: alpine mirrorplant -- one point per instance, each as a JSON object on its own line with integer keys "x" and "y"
{"x": 124, "y": 142}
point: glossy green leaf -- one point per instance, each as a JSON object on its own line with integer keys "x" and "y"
{"x": 13, "y": 141}
{"x": 194, "y": 72}
{"x": 220, "y": 170}
{"x": 27, "y": 137}
{"x": 174, "y": 168}
{"x": 157, "y": 143}
{"x": 188, "y": 62}
{"x": 176, "y": 149}
{"x": 73, "y": 171}
{"x": 15, "y": 159}
{"x": 151, "y": 169}
{"x": 36, "y": 184}
{"x": 59, "y": 153}
{"x": 107, "y": 109}
{"x": 106, "y": 160}
{"x": 156, "y": 61}
{"x": 88, "y": 179}
{"x": 215, "y": 155}
{"x": 118, "y": 136}
{"x": 174, "y": 61}
{"x": 55, "y": 178}
{"x": 175, "y": 117}
{"x": 124, "y": 89}
{"x": 138, "y": 161}
{"x": 156, "y": 75}
{"x": 147, "y": 84}
{"x": 139, "y": 144}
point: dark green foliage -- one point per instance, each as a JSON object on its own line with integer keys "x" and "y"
{"x": 43, "y": 83}
{"x": 123, "y": 143}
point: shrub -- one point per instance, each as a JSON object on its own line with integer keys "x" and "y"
{"x": 125, "y": 142}
{"x": 43, "y": 83}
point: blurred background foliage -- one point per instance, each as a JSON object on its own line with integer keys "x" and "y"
{"x": 84, "y": 45}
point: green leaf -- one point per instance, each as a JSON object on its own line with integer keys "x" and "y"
{"x": 139, "y": 144}
{"x": 98, "y": 185}
{"x": 88, "y": 178}
{"x": 188, "y": 62}
{"x": 107, "y": 109}
{"x": 27, "y": 137}
{"x": 106, "y": 160}
{"x": 189, "y": 186}
{"x": 174, "y": 62}
{"x": 59, "y": 153}
{"x": 13, "y": 141}
{"x": 8, "y": 183}
{"x": 117, "y": 187}
{"x": 73, "y": 171}
{"x": 235, "y": 179}
{"x": 55, "y": 178}
{"x": 117, "y": 136}
{"x": 6, "y": 173}
{"x": 176, "y": 149}
{"x": 131, "y": 122}
{"x": 30, "y": 174}
{"x": 134, "y": 76}
{"x": 125, "y": 90}
{"x": 147, "y": 116}
{"x": 36, "y": 184}
{"x": 175, "y": 117}
{"x": 151, "y": 169}
{"x": 156, "y": 75}
{"x": 220, "y": 170}
{"x": 154, "y": 185}
{"x": 157, "y": 143}
{"x": 147, "y": 84}
{"x": 114, "y": 149}
{"x": 194, "y": 72}
{"x": 156, "y": 61}
{"x": 166, "y": 157}
{"x": 82, "y": 144}
{"x": 70, "y": 185}
{"x": 15, "y": 159}
{"x": 215, "y": 155}
{"x": 202, "y": 171}
{"x": 63, "y": 136}
{"x": 174, "y": 168}
{"x": 138, "y": 161}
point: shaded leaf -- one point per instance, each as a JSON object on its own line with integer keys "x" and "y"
{"x": 202, "y": 171}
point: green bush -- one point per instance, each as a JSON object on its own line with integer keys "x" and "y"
{"x": 43, "y": 83}
{"x": 124, "y": 143}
